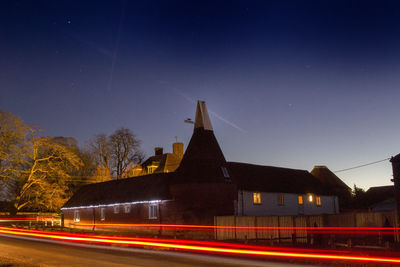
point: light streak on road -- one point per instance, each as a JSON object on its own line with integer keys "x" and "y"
{"x": 16, "y": 219}
{"x": 187, "y": 246}
{"x": 240, "y": 227}
{"x": 259, "y": 229}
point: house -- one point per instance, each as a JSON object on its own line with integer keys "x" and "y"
{"x": 161, "y": 162}
{"x": 203, "y": 186}
{"x": 267, "y": 190}
{"x": 380, "y": 198}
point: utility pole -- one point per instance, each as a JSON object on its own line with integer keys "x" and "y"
{"x": 396, "y": 179}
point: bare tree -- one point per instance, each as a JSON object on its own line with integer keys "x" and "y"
{"x": 101, "y": 174}
{"x": 13, "y": 134}
{"x": 100, "y": 149}
{"x": 125, "y": 150}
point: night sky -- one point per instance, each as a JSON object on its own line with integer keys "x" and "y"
{"x": 288, "y": 83}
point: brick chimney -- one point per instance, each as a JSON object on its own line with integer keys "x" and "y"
{"x": 177, "y": 149}
{"x": 158, "y": 151}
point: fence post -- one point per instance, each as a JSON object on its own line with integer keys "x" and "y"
{"x": 235, "y": 228}
{"x": 279, "y": 231}
{"x": 215, "y": 228}
{"x": 293, "y": 230}
{"x": 255, "y": 227}
{"x": 308, "y": 233}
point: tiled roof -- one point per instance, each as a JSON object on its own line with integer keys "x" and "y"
{"x": 274, "y": 179}
{"x": 148, "y": 187}
{"x": 328, "y": 178}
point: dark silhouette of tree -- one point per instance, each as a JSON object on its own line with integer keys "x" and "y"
{"x": 125, "y": 150}
{"x": 114, "y": 154}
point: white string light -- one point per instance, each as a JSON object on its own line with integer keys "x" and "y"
{"x": 114, "y": 204}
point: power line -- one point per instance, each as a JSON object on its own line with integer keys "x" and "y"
{"x": 359, "y": 166}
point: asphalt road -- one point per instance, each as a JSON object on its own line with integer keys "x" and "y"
{"x": 55, "y": 253}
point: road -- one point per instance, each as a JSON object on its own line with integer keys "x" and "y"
{"x": 56, "y": 253}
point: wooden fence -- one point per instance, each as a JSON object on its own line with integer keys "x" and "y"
{"x": 285, "y": 228}
{"x": 33, "y": 219}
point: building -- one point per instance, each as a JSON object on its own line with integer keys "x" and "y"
{"x": 380, "y": 198}
{"x": 267, "y": 190}
{"x": 203, "y": 186}
{"x": 161, "y": 162}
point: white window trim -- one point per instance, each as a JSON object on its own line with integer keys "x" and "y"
{"x": 151, "y": 214}
{"x": 127, "y": 208}
{"x": 77, "y": 217}
{"x": 102, "y": 214}
{"x": 116, "y": 209}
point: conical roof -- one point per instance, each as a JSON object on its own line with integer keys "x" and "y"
{"x": 203, "y": 159}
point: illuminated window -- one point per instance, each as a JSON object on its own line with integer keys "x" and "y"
{"x": 256, "y": 198}
{"x": 281, "y": 200}
{"x": 127, "y": 208}
{"x": 152, "y": 168}
{"x": 310, "y": 198}
{"x": 300, "y": 200}
{"x": 102, "y": 214}
{"x": 77, "y": 217}
{"x": 116, "y": 209}
{"x": 318, "y": 201}
{"x": 153, "y": 211}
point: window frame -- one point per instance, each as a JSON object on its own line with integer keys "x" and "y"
{"x": 77, "y": 216}
{"x": 116, "y": 209}
{"x": 153, "y": 211}
{"x": 257, "y": 198}
{"x": 127, "y": 208}
{"x": 281, "y": 199}
{"x": 102, "y": 214}
{"x": 300, "y": 200}
{"x": 318, "y": 201}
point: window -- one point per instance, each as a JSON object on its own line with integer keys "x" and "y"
{"x": 127, "y": 208}
{"x": 281, "y": 200}
{"x": 318, "y": 201}
{"x": 153, "y": 211}
{"x": 77, "y": 217}
{"x": 225, "y": 173}
{"x": 102, "y": 214}
{"x": 116, "y": 209}
{"x": 300, "y": 200}
{"x": 151, "y": 169}
{"x": 310, "y": 198}
{"x": 256, "y": 198}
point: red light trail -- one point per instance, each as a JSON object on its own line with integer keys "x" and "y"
{"x": 194, "y": 246}
{"x": 259, "y": 229}
{"x": 239, "y": 227}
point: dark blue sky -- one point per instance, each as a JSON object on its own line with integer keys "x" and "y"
{"x": 288, "y": 83}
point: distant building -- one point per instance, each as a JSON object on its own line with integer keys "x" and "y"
{"x": 380, "y": 198}
{"x": 203, "y": 186}
{"x": 161, "y": 162}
